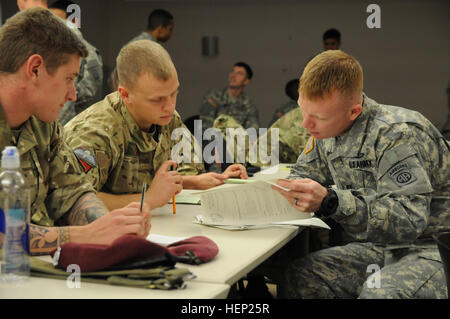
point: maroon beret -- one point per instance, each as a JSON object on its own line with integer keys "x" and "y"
{"x": 92, "y": 257}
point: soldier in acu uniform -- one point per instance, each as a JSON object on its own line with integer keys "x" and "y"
{"x": 129, "y": 135}
{"x": 39, "y": 62}
{"x": 232, "y": 100}
{"x": 90, "y": 76}
{"x": 389, "y": 168}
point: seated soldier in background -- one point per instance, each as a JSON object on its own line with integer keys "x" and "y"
{"x": 39, "y": 62}
{"x": 292, "y": 138}
{"x": 126, "y": 139}
{"x": 231, "y": 100}
{"x": 291, "y": 90}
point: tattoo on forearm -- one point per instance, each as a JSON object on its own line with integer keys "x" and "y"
{"x": 44, "y": 239}
{"x": 87, "y": 209}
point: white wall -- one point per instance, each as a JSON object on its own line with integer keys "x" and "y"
{"x": 406, "y": 62}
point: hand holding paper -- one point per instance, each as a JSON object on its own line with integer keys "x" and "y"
{"x": 305, "y": 194}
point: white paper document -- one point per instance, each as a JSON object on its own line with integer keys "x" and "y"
{"x": 251, "y": 204}
{"x": 164, "y": 240}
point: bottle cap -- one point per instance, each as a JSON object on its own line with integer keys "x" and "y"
{"x": 10, "y": 158}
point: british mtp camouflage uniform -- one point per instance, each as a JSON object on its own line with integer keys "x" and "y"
{"x": 392, "y": 178}
{"x": 218, "y": 101}
{"x": 50, "y": 168}
{"x": 283, "y": 110}
{"x": 291, "y": 134}
{"x": 89, "y": 82}
{"x": 126, "y": 156}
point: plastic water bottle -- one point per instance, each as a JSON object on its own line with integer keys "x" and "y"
{"x": 14, "y": 218}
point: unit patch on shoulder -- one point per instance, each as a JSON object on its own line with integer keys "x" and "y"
{"x": 86, "y": 159}
{"x": 401, "y": 174}
{"x": 309, "y": 146}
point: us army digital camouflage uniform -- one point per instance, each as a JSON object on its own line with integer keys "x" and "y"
{"x": 49, "y": 166}
{"x": 292, "y": 138}
{"x": 88, "y": 84}
{"x": 392, "y": 178}
{"x": 283, "y": 110}
{"x": 125, "y": 155}
{"x": 218, "y": 101}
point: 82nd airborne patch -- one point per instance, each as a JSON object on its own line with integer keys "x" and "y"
{"x": 401, "y": 174}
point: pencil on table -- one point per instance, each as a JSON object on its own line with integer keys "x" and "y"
{"x": 174, "y": 205}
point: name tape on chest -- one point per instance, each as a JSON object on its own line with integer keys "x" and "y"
{"x": 360, "y": 164}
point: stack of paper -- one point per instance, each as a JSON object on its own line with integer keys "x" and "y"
{"x": 250, "y": 204}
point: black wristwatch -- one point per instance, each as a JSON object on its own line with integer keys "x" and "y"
{"x": 329, "y": 204}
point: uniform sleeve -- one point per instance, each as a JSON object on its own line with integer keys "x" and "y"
{"x": 95, "y": 141}
{"x": 89, "y": 81}
{"x": 311, "y": 165}
{"x": 181, "y": 142}
{"x": 66, "y": 180}
{"x": 252, "y": 115}
{"x": 208, "y": 112}
{"x": 397, "y": 211}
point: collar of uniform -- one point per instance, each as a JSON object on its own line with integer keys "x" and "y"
{"x": 148, "y": 36}
{"x": 5, "y": 131}
{"x": 27, "y": 138}
{"x": 143, "y": 140}
{"x": 349, "y": 144}
{"x": 229, "y": 98}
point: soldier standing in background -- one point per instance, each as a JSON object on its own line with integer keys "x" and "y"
{"x": 159, "y": 28}
{"x": 389, "y": 168}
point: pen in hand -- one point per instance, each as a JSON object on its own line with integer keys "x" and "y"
{"x": 174, "y": 205}
{"x": 144, "y": 190}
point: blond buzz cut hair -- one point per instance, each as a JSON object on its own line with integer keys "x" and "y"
{"x": 140, "y": 57}
{"x": 328, "y": 71}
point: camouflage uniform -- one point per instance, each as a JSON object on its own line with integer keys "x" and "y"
{"x": 125, "y": 155}
{"x": 282, "y": 110}
{"x": 49, "y": 166}
{"x": 88, "y": 83}
{"x": 241, "y": 108}
{"x": 292, "y": 137}
{"x": 392, "y": 178}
